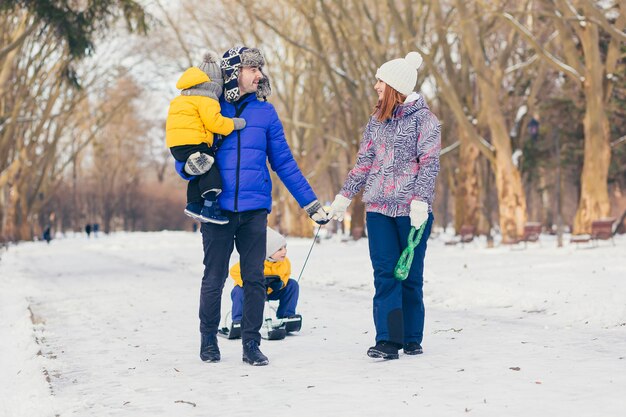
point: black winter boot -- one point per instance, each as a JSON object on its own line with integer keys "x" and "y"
{"x": 384, "y": 350}
{"x": 252, "y": 354}
{"x": 209, "y": 351}
{"x": 412, "y": 348}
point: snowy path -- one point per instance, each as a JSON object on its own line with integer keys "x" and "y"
{"x": 115, "y": 321}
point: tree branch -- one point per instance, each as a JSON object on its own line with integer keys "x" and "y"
{"x": 554, "y": 61}
{"x": 17, "y": 42}
{"x": 303, "y": 47}
{"x": 601, "y": 20}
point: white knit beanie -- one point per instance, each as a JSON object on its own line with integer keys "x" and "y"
{"x": 274, "y": 241}
{"x": 401, "y": 74}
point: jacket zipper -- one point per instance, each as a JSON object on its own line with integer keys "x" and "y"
{"x": 238, "y": 162}
{"x": 238, "y": 166}
{"x": 238, "y": 111}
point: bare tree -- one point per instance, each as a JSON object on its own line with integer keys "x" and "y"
{"x": 40, "y": 50}
{"x": 579, "y": 52}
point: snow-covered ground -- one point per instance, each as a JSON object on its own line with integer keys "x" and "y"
{"x": 108, "y": 327}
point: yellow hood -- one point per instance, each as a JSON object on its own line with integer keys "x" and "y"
{"x": 193, "y": 76}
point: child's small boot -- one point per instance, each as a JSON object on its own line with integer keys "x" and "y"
{"x": 194, "y": 210}
{"x": 211, "y": 212}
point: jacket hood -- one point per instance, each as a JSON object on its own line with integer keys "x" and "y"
{"x": 191, "y": 77}
{"x": 412, "y": 103}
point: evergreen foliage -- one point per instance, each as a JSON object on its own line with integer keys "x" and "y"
{"x": 77, "y": 26}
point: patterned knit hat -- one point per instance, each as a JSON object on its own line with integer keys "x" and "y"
{"x": 232, "y": 61}
{"x": 401, "y": 74}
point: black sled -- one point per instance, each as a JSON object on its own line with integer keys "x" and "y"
{"x": 272, "y": 328}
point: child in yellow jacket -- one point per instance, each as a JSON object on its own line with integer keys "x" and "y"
{"x": 276, "y": 263}
{"x": 192, "y": 120}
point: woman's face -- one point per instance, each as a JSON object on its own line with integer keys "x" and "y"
{"x": 380, "y": 88}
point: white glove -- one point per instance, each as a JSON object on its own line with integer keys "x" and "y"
{"x": 419, "y": 213}
{"x": 338, "y": 207}
{"x": 198, "y": 163}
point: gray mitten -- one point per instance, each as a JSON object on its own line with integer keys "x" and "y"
{"x": 198, "y": 163}
{"x": 316, "y": 212}
{"x": 239, "y": 123}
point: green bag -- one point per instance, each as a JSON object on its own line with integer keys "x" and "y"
{"x": 406, "y": 259}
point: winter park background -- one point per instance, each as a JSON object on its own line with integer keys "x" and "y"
{"x": 109, "y": 327}
{"x": 532, "y": 101}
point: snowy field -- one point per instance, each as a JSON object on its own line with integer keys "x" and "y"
{"x": 108, "y": 327}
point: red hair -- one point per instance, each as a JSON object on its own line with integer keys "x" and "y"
{"x": 385, "y": 107}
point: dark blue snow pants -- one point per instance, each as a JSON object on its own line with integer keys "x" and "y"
{"x": 398, "y": 305}
{"x": 247, "y": 231}
{"x": 287, "y": 300}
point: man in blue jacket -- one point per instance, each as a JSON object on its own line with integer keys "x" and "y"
{"x": 246, "y": 200}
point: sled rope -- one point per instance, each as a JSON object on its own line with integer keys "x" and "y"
{"x": 309, "y": 254}
{"x": 406, "y": 259}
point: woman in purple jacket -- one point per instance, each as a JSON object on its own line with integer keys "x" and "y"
{"x": 397, "y": 165}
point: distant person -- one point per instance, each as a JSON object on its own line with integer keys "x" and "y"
{"x": 192, "y": 121}
{"x": 47, "y": 234}
{"x": 96, "y": 228}
{"x": 194, "y": 227}
{"x": 276, "y": 263}
{"x": 88, "y": 229}
{"x": 397, "y": 165}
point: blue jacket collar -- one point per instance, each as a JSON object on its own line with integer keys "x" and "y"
{"x": 246, "y": 98}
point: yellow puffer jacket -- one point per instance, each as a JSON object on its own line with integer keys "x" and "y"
{"x": 192, "y": 120}
{"x": 282, "y": 269}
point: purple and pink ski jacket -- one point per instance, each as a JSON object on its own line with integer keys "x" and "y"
{"x": 398, "y": 160}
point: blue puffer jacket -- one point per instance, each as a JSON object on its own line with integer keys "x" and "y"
{"x": 243, "y": 155}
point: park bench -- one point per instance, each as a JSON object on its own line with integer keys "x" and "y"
{"x": 466, "y": 235}
{"x": 532, "y": 231}
{"x": 601, "y": 229}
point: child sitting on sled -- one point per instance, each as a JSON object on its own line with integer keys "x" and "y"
{"x": 277, "y": 264}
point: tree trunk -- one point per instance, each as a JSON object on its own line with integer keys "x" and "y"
{"x": 511, "y": 198}
{"x": 594, "y": 197}
{"x": 357, "y": 218}
{"x": 18, "y": 227}
{"x": 10, "y": 216}
{"x": 538, "y": 196}
{"x": 467, "y": 197}
{"x": 294, "y": 219}
{"x": 287, "y": 217}
{"x": 24, "y": 226}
